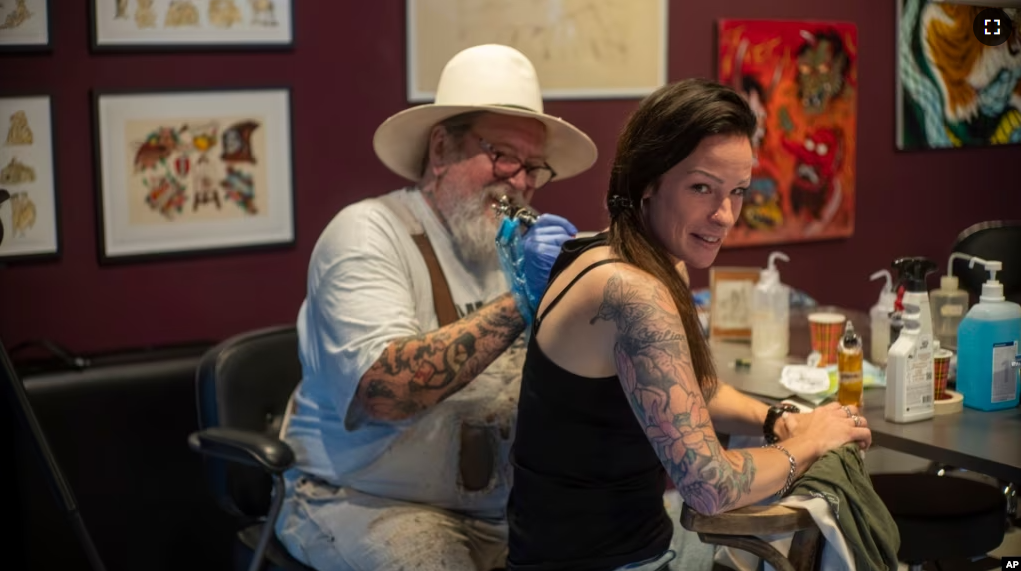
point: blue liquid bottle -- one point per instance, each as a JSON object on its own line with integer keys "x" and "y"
{"x": 987, "y": 341}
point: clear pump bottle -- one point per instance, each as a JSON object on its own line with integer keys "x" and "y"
{"x": 879, "y": 317}
{"x": 771, "y": 312}
{"x": 949, "y": 303}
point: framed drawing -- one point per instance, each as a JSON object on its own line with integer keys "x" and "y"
{"x": 191, "y": 24}
{"x": 28, "y": 187}
{"x": 801, "y": 78}
{"x": 193, "y": 171}
{"x": 730, "y": 290}
{"x": 580, "y": 48}
{"x": 954, "y": 91}
{"x": 25, "y": 25}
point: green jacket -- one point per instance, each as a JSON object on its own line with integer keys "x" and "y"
{"x": 840, "y": 478}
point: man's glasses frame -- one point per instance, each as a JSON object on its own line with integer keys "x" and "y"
{"x": 506, "y": 167}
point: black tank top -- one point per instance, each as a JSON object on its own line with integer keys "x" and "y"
{"x": 588, "y": 486}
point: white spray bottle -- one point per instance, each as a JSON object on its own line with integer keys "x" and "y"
{"x": 910, "y": 381}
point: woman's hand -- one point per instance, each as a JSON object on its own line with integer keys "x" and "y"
{"x": 829, "y": 426}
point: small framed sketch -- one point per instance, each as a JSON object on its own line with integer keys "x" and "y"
{"x": 24, "y": 25}
{"x": 730, "y": 302}
{"x": 28, "y": 196}
{"x": 191, "y": 24}
{"x": 185, "y": 172}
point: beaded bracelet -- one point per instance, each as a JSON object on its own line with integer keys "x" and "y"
{"x": 790, "y": 474}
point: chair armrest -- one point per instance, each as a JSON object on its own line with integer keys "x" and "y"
{"x": 739, "y": 529}
{"x": 243, "y": 447}
{"x": 749, "y": 520}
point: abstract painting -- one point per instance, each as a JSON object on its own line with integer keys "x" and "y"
{"x": 191, "y": 24}
{"x": 189, "y": 171}
{"x": 580, "y": 48}
{"x": 953, "y": 90}
{"x": 28, "y": 198}
{"x": 800, "y": 78}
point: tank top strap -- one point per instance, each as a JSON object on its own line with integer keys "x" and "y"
{"x": 560, "y": 295}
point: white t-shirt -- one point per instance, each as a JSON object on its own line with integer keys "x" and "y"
{"x": 368, "y": 285}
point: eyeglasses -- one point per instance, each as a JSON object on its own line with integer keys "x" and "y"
{"x": 506, "y": 166}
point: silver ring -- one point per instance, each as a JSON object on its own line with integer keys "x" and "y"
{"x": 847, "y": 409}
{"x": 857, "y": 420}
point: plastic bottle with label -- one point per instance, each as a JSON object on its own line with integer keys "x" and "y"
{"x": 771, "y": 303}
{"x": 879, "y": 318}
{"x": 988, "y": 339}
{"x": 909, "y": 365}
{"x": 949, "y": 304}
{"x": 851, "y": 384}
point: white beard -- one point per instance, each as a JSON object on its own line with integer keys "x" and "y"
{"x": 472, "y": 230}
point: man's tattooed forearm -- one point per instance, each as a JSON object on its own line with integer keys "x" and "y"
{"x": 417, "y": 372}
{"x": 654, "y": 365}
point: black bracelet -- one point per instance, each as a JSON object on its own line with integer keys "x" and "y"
{"x": 774, "y": 414}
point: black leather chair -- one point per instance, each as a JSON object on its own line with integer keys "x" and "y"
{"x": 243, "y": 386}
{"x": 942, "y": 518}
{"x": 994, "y": 240}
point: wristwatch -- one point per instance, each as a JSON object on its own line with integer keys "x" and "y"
{"x": 775, "y": 412}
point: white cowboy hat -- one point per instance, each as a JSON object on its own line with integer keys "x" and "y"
{"x": 491, "y": 78}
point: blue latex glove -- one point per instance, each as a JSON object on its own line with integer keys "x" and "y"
{"x": 527, "y": 255}
{"x": 511, "y": 253}
{"x": 541, "y": 246}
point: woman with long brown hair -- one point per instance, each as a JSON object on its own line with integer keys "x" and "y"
{"x": 617, "y": 339}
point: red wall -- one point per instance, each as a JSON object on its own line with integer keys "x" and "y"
{"x": 347, "y": 75}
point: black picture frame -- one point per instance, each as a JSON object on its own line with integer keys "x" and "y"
{"x": 104, "y": 253}
{"x": 97, "y": 44}
{"x": 32, "y": 47}
{"x": 57, "y": 251}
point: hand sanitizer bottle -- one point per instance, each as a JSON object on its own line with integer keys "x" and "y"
{"x": 949, "y": 304}
{"x": 987, "y": 342}
{"x": 879, "y": 317}
{"x": 771, "y": 312}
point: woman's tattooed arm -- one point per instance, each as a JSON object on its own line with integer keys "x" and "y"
{"x": 654, "y": 366}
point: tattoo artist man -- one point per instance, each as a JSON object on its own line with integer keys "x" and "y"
{"x": 403, "y": 420}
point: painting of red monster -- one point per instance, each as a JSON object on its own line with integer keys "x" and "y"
{"x": 800, "y": 78}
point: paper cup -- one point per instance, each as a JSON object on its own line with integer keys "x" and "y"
{"x": 826, "y": 329}
{"x": 941, "y": 370}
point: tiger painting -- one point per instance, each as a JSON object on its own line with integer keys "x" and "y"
{"x": 957, "y": 91}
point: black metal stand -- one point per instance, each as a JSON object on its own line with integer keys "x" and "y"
{"x": 14, "y": 391}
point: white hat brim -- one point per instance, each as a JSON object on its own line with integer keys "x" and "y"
{"x": 401, "y": 141}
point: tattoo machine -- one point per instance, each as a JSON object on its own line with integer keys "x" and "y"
{"x": 515, "y": 222}
{"x": 525, "y": 215}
